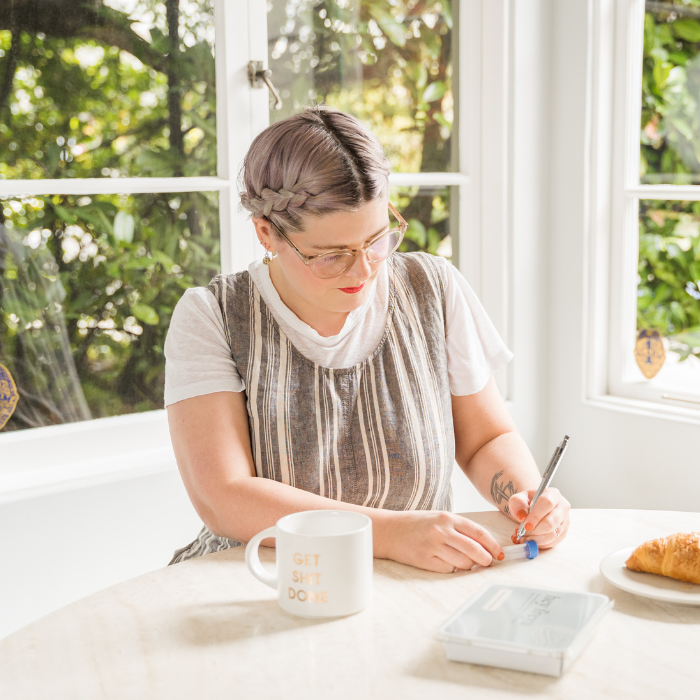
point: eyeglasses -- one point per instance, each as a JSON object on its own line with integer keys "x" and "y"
{"x": 337, "y": 262}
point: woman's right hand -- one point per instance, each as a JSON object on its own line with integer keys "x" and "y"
{"x": 436, "y": 541}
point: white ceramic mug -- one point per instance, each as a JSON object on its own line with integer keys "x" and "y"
{"x": 324, "y": 562}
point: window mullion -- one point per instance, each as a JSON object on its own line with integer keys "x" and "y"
{"x": 625, "y": 178}
{"x": 469, "y": 239}
{"x": 674, "y": 192}
{"x": 241, "y": 32}
{"x": 128, "y": 185}
{"x": 427, "y": 179}
{"x": 626, "y": 323}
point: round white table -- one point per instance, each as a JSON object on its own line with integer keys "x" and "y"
{"x": 207, "y": 629}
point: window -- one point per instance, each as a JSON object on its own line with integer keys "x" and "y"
{"x": 655, "y": 280}
{"x": 91, "y": 271}
{"x": 109, "y": 211}
{"x": 392, "y": 67}
{"x": 416, "y": 74}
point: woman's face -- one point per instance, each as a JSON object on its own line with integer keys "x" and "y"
{"x": 296, "y": 283}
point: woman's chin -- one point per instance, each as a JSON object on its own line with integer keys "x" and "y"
{"x": 344, "y": 301}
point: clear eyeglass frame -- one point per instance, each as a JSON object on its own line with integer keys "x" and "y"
{"x": 313, "y": 260}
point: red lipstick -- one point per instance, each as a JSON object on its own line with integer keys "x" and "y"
{"x": 352, "y": 290}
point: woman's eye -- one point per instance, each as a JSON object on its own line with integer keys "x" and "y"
{"x": 382, "y": 244}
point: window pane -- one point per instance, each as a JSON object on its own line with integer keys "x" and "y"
{"x": 427, "y": 211}
{"x": 87, "y": 289}
{"x": 670, "y": 123}
{"x": 389, "y": 64}
{"x": 97, "y": 92}
{"x": 668, "y": 296}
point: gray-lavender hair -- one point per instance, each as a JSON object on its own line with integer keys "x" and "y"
{"x": 313, "y": 163}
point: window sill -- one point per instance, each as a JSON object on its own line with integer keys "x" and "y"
{"x": 649, "y": 409}
{"x": 34, "y": 483}
{"x": 59, "y": 458}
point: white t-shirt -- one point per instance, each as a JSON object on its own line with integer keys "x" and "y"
{"x": 198, "y": 358}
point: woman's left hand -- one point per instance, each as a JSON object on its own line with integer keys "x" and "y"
{"x": 548, "y": 522}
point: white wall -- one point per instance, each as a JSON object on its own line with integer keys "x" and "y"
{"x": 61, "y": 547}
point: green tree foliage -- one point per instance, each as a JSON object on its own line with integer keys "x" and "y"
{"x": 88, "y": 284}
{"x": 115, "y": 282}
{"x": 389, "y": 64}
{"x": 73, "y": 104}
{"x": 669, "y": 231}
{"x": 97, "y": 278}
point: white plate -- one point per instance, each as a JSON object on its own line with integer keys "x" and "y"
{"x": 662, "y": 588}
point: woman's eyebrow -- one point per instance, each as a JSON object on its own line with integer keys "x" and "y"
{"x": 343, "y": 247}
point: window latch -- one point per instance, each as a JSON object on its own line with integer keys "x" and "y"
{"x": 259, "y": 76}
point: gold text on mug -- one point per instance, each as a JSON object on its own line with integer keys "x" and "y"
{"x": 309, "y": 596}
{"x": 306, "y": 559}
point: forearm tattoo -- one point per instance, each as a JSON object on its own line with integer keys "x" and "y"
{"x": 502, "y": 491}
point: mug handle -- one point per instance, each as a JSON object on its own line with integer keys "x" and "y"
{"x": 252, "y": 558}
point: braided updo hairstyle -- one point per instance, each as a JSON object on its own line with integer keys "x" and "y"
{"x": 310, "y": 164}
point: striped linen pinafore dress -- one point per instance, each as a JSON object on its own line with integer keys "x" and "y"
{"x": 377, "y": 434}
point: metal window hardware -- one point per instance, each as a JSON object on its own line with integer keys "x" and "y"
{"x": 259, "y": 76}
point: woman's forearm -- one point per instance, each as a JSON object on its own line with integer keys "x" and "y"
{"x": 248, "y": 505}
{"x": 502, "y": 467}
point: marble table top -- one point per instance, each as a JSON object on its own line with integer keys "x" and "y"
{"x": 207, "y": 628}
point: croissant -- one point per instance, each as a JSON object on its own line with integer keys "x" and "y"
{"x": 677, "y": 556}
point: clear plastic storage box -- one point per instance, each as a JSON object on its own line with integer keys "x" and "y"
{"x": 527, "y": 629}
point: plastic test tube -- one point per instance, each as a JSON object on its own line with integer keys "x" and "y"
{"x": 526, "y": 550}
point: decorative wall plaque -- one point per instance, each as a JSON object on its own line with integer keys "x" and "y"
{"x": 649, "y": 352}
{"x": 8, "y": 395}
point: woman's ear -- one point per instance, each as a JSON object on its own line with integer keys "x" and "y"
{"x": 263, "y": 230}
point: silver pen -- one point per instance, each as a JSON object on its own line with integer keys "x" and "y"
{"x": 546, "y": 480}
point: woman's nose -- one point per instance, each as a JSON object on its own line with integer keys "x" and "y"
{"x": 360, "y": 267}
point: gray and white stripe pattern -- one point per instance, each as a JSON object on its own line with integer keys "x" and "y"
{"x": 378, "y": 434}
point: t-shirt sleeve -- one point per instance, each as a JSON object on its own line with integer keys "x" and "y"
{"x": 474, "y": 348}
{"x": 197, "y": 355}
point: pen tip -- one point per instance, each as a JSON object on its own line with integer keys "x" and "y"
{"x": 566, "y": 437}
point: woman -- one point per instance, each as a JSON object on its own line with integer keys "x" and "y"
{"x": 339, "y": 373}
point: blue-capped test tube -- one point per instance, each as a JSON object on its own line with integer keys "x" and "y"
{"x": 526, "y": 550}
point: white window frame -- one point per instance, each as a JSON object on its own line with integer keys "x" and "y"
{"x": 613, "y": 192}
{"x": 54, "y": 458}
